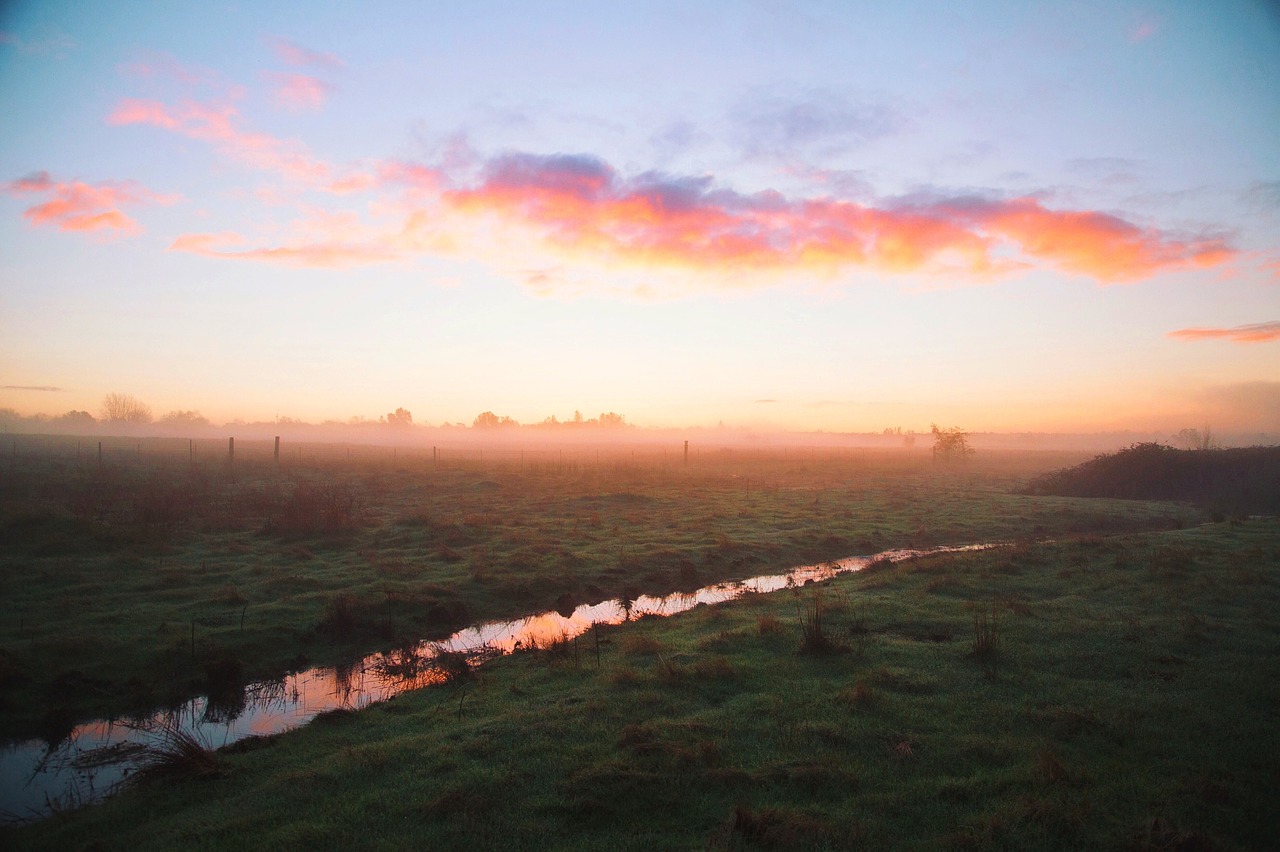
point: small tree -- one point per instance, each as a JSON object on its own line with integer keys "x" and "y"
{"x": 1196, "y": 439}
{"x": 76, "y": 418}
{"x": 489, "y": 420}
{"x": 400, "y": 417}
{"x": 611, "y": 420}
{"x": 124, "y": 408}
{"x": 950, "y": 444}
{"x": 185, "y": 420}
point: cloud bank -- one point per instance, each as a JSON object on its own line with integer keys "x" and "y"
{"x": 1261, "y": 332}
{"x": 562, "y": 210}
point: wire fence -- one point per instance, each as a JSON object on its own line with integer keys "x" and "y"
{"x": 162, "y": 453}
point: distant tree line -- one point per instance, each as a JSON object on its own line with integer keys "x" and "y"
{"x": 122, "y": 409}
{"x": 607, "y": 420}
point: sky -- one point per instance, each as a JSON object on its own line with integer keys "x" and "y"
{"x": 839, "y": 216}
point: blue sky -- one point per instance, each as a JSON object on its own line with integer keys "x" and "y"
{"x": 999, "y": 215}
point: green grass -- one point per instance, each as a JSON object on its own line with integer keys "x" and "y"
{"x": 144, "y": 582}
{"x": 1129, "y": 703}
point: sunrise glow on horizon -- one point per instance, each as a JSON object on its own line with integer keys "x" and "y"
{"x": 808, "y": 216}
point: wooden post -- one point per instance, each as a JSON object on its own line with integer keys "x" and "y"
{"x": 277, "y": 455}
{"x": 433, "y": 455}
{"x": 99, "y": 455}
{"x": 231, "y": 450}
{"x": 191, "y": 450}
{"x": 686, "y": 453}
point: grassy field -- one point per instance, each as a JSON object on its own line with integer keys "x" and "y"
{"x": 1114, "y": 692}
{"x": 139, "y": 581}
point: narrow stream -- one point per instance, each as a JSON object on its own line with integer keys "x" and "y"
{"x": 38, "y": 779}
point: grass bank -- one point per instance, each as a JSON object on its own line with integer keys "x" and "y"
{"x": 1113, "y": 693}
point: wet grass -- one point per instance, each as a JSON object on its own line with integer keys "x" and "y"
{"x": 139, "y": 583}
{"x": 1132, "y": 708}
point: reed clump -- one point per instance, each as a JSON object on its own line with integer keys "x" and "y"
{"x": 178, "y": 753}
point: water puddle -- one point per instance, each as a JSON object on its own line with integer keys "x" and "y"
{"x": 38, "y": 779}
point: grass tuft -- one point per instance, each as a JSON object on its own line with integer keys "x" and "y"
{"x": 178, "y": 754}
{"x": 861, "y": 694}
{"x": 768, "y": 625}
{"x": 813, "y": 636}
{"x": 986, "y": 633}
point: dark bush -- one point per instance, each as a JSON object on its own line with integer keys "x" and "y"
{"x": 1243, "y": 480}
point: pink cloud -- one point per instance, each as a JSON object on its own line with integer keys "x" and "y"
{"x": 357, "y": 182}
{"x": 134, "y": 111}
{"x": 76, "y": 206}
{"x": 298, "y": 92}
{"x": 217, "y": 123}
{"x": 320, "y": 254}
{"x": 292, "y": 53}
{"x": 1261, "y": 332}
{"x": 164, "y": 67}
{"x": 34, "y": 182}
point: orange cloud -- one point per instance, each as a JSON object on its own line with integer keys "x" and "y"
{"x": 83, "y": 207}
{"x": 217, "y": 123}
{"x": 299, "y": 92}
{"x": 1262, "y": 332}
{"x": 1099, "y": 245}
{"x": 580, "y": 202}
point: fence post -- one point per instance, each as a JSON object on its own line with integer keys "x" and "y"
{"x": 231, "y": 451}
{"x": 277, "y": 455}
{"x": 686, "y": 453}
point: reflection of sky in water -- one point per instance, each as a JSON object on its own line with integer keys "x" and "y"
{"x": 98, "y": 755}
